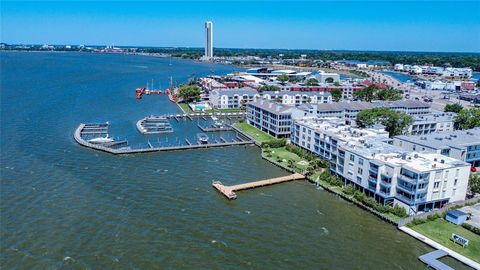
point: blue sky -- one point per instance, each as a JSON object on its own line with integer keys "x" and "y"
{"x": 452, "y": 26}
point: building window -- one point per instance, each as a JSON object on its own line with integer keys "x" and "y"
{"x": 352, "y": 157}
{"x": 436, "y": 185}
{"x": 360, "y": 161}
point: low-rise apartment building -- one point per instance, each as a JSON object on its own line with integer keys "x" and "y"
{"x": 348, "y": 110}
{"x": 232, "y": 98}
{"x": 434, "y": 122}
{"x": 273, "y": 118}
{"x": 417, "y": 181}
{"x": 297, "y": 98}
{"x": 459, "y": 144}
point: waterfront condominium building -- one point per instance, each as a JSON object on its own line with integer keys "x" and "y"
{"x": 348, "y": 110}
{"x": 227, "y": 98}
{"x": 273, "y": 118}
{"x": 433, "y": 122}
{"x": 417, "y": 181}
{"x": 459, "y": 144}
{"x": 297, "y": 98}
{"x": 208, "y": 40}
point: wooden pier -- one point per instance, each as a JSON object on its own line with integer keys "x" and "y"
{"x": 229, "y": 191}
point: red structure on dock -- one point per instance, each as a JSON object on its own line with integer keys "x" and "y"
{"x": 139, "y": 92}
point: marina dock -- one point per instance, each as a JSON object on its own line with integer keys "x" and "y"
{"x": 229, "y": 191}
{"x": 125, "y": 149}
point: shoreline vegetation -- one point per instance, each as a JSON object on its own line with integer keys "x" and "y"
{"x": 455, "y": 59}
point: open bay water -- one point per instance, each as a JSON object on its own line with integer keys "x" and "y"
{"x": 64, "y": 206}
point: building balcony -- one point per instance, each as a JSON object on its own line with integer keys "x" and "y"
{"x": 385, "y": 184}
{"x": 409, "y": 190}
{"x": 405, "y": 199}
{"x": 407, "y": 179}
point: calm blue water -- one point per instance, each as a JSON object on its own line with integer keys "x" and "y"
{"x": 399, "y": 76}
{"x": 63, "y": 206}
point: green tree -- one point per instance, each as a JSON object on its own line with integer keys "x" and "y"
{"x": 268, "y": 88}
{"x": 282, "y": 78}
{"x": 329, "y": 80}
{"x": 336, "y": 94}
{"x": 395, "y": 123}
{"x": 455, "y": 107}
{"x": 311, "y": 82}
{"x": 189, "y": 93}
{"x": 469, "y": 118}
{"x": 366, "y": 94}
{"x": 474, "y": 183}
{"x": 388, "y": 94}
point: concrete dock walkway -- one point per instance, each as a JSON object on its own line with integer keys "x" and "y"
{"x": 229, "y": 191}
{"x": 436, "y": 245}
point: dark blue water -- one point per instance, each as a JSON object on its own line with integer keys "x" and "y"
{"x": 399, "y": 76}
{"x": 67, "y": 207}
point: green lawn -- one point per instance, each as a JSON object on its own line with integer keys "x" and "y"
{"x": 259, "y": 135}
{"x": 185, "y": 107}
{"x": 282, "y": 156}
{"x": 441, "y": 231}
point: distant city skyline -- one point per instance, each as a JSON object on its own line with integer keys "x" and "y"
{"x": 437, "y": 26}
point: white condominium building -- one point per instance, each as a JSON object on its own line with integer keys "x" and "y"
{"x": 434, "y": 122}
{"x": 227, "y": 98}
{"x": 297, "y": 98}
{"x": 417, "y": 181}
{"x": 348, "y": 110}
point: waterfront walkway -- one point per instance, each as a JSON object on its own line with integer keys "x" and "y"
{"x": 436, "y": 245}
{"x": 229, "y": 191}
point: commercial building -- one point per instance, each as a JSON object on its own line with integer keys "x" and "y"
{"x": 459, "y": 144}
{"x": 232, "y": 98}
{"x": 392, "y": 175}
{"x": 297, "y": 98}
{"x": 273, "y": 118}
{"x": 324, "y": 77}
{"x": 208, "y": 40}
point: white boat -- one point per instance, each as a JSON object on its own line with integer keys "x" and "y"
{"x": 101, "y": 140}
{"x": 202, "y": 138}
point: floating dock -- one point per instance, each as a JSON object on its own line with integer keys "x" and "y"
{"x": 214, "y": 129}
{"x": 229, "y": 191}
{"x": 431, "y": 260}
{"x": 154, "y": 125}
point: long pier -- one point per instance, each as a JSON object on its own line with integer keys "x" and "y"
{"x": 229, "y": 191}
{"x": 128, "y": 150}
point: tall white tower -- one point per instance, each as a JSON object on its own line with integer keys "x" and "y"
{"x": 208, "y": 39}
